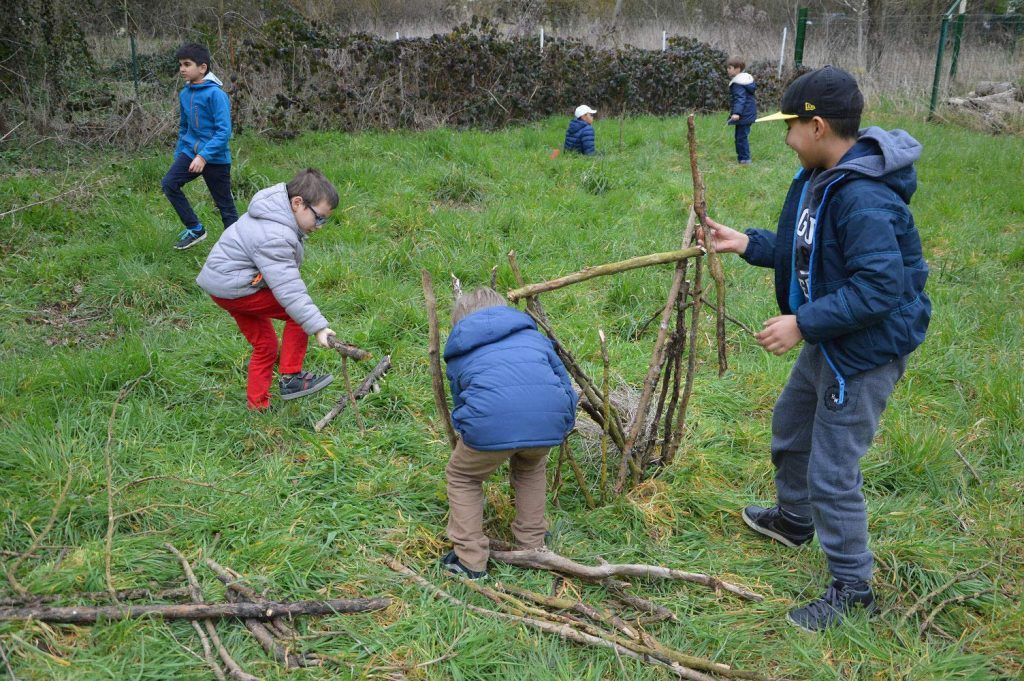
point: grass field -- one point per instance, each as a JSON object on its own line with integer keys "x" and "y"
{"x": 93, "y": 298}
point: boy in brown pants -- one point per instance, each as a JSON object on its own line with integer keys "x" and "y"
{"x": 512, "y": 400}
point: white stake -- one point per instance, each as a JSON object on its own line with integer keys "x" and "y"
{"x": 664, "y": 40}
{"x": 541, "y": 38}
{"x": 782, "y": 50}
{"x": 396, "y": 35}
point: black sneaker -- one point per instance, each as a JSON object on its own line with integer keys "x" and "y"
{"x": 190, "y": 237}
{"x": 778, "y": 524}
{"x": 839, "y": 600}
{"x": 302, "y": 384}
{"x": 452, "y": 564}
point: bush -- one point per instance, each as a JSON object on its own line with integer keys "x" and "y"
{"x": 308, "y": 77}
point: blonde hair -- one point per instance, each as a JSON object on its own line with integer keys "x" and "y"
{"x": 474, "y": 301}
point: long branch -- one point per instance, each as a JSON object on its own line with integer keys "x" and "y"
{"x": 548, "y": 560}
{"x": 604, "y": 270}
{"x": 434, "y": 353}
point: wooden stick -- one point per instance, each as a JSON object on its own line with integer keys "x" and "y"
{"x": 605, "y": 414}
{"x": 351, "y": 395}
{"x": 494, "y": 277}
{"x": 347, "y": 349}
{"x": 233, "y": 581}
{"x": 920, "y": 602}
{"x": 124, "y": 595}
{"x": 565, "y": 631}
{"x": 604, "y": 270}
{"x": 434, "y": 352}
{"x": 672, "y": 445}
{"x": 581, "y": 479}
{"x": 12, "y": 569}
{"x": 548, "y": 560}
{"x": 265, "y": 637}
{"x": 200, "y": 611}
{"x": 456, "y": 288}
{"x": 362, "y": 391}
{"x": 714, "y": 262}
{"x": 196, "y": 594}
{"x": 653, "y": 371}
{"x": 556, "y": 484}
{"x": 595, "y": 613}
{"x": 950, "y": 601}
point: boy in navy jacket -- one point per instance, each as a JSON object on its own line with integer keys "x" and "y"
{"x": 512, "y": 400}
{"x": 849, "y": 280}
{"x": 204, "y": 129}
{"x": 743, "y": 106}
{"x": 579, "y": 136}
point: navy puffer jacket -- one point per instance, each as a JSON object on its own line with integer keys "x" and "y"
{"x": 579, "y": 136}
{"x": 867, "y": 306}
{"x": 509, "y": 389}
{"x": 743, "y": 101}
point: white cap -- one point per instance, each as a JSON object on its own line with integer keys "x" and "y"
{"x": 583, "y": 110}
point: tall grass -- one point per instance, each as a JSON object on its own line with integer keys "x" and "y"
{"x": 93, "y": 297}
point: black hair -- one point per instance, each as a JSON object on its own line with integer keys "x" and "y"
{"x": 845, "y": 128}
{"x": 196, "y": 52}
{"x": 313, "y": 187}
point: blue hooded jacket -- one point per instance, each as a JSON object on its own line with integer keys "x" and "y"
{"x": 866, "y": 272}
{"x": 509, "y": 389}
{"x": 580, "y": 137}
{"x": 743, "y": 102}
{"x": 204, "y": 127}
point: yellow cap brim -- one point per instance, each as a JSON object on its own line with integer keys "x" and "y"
{"x": 776, "y": 117}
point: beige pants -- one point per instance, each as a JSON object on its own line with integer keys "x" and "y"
{"x": 466, "y": 471}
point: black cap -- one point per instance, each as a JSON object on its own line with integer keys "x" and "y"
{"x": 827, "y": 92}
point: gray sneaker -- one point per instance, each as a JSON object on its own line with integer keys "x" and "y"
{"x": 189, "y": 238}
{"x": 839, "y": 600}
{"x": 302, "y": 384}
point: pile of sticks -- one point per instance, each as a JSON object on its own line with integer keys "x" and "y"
{"x": 620, "y": 626}
{"x": 268, "y": 621}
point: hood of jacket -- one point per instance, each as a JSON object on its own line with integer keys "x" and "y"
{"x": 485, "y": 327}
{"x": 273, "y": 204}
{"x": 575, "y": 125}
{"x": 884, "y": 155}
{"x": 744, "y": 79}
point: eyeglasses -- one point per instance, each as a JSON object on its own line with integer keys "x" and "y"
{"x": 318, "y": 219}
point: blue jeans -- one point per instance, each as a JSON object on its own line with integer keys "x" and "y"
{"x": 218, "y": 180}
{"x": 817, "y": 446}
{"x": 742, "y": 142}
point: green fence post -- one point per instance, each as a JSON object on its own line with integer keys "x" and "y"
{"x": 801, "y": 31}
{"x": 938, "y": 67}
{"x": 958, "y": 31}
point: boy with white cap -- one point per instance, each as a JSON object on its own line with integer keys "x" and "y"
{"x": 580, "y": 135}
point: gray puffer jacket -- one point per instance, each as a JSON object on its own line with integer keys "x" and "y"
{"x": 266, "y": 240}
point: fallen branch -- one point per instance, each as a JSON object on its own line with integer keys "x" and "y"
{"x": 12, "y": 569}
{"x": 714, "y": 262}
{"x": 371, "y": 380}
{"x": 950, "y": 601}
{"x": 195, "y": 611}
{"x": 434, "y": 353}
{"x": 74, "y": 190}
{"x": 347, "y": 349}
{"x": 123, "y": 595}
{"x": 542, "y": 559}
{"x": 604, "y": 270}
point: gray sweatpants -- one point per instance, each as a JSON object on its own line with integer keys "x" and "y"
{"x": 817, "y": 445}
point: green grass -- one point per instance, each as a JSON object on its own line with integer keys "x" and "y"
{"x": 93, "y": 297}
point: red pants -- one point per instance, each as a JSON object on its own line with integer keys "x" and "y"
{"x": 253, "y": 314}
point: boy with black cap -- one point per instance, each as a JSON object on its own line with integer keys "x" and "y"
{"x": 849, "y": 280}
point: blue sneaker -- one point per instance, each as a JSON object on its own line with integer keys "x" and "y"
{"x": 452, "y": 564}
{"x": 190, "y": 237}
{"x": 830, "y": 610}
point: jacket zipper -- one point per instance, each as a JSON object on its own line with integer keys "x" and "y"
{"x": 810, "y": 272}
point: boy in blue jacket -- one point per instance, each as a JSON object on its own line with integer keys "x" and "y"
{"x": 512, "y": 400}
{"x": 849, "y": 281}
{"x": 579, "y": 136}
{"x": 204, "y": 129}
{"x": 743, "y": 106}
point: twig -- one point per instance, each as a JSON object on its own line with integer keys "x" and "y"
{"x": 12, "y": 569}
{"x": 920, "y": 602}
{"x": 604, "y": 270}
{"x": 233, "y": 581}
{"x": 347, "y": 349}
{"x": 714, "y": 262}
{"x": 556, "y": 484}
{"x": 581, "y": 479}
{"x": 351, "y": 395}
{"x": 362, "y": 391}
{"x": 548, "y": 560}
{"x": 108, "y": 546}
{"x": 7, "y": 664}
{"x": 968, "y": 464}
{"x": 728, "y": 317}
{"x": 494, "y": 277}
{"x": 196, "y": 594}
{"x": 951, "y": 601}
{"x": 80, "y": 187}
{"x": 184, "y": 481}
{"x": 434, "y": 352}
{"x": 4, "y": 139}
{"x": 672, "y": 444}
{"x": 456, "y": 288}
{"x": 124, "y": 595}
{"x": 606, "y": 414}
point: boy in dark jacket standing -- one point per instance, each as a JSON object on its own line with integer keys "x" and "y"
{"x": 579, "y": 136}
{"x": 849, "y": 281}
{"x": 743, "y": 107}
{"x": 512, "y": 400}
{"x": 204, "y": 128}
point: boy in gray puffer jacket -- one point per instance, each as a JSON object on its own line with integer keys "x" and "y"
{"x": 253, "y": 273}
